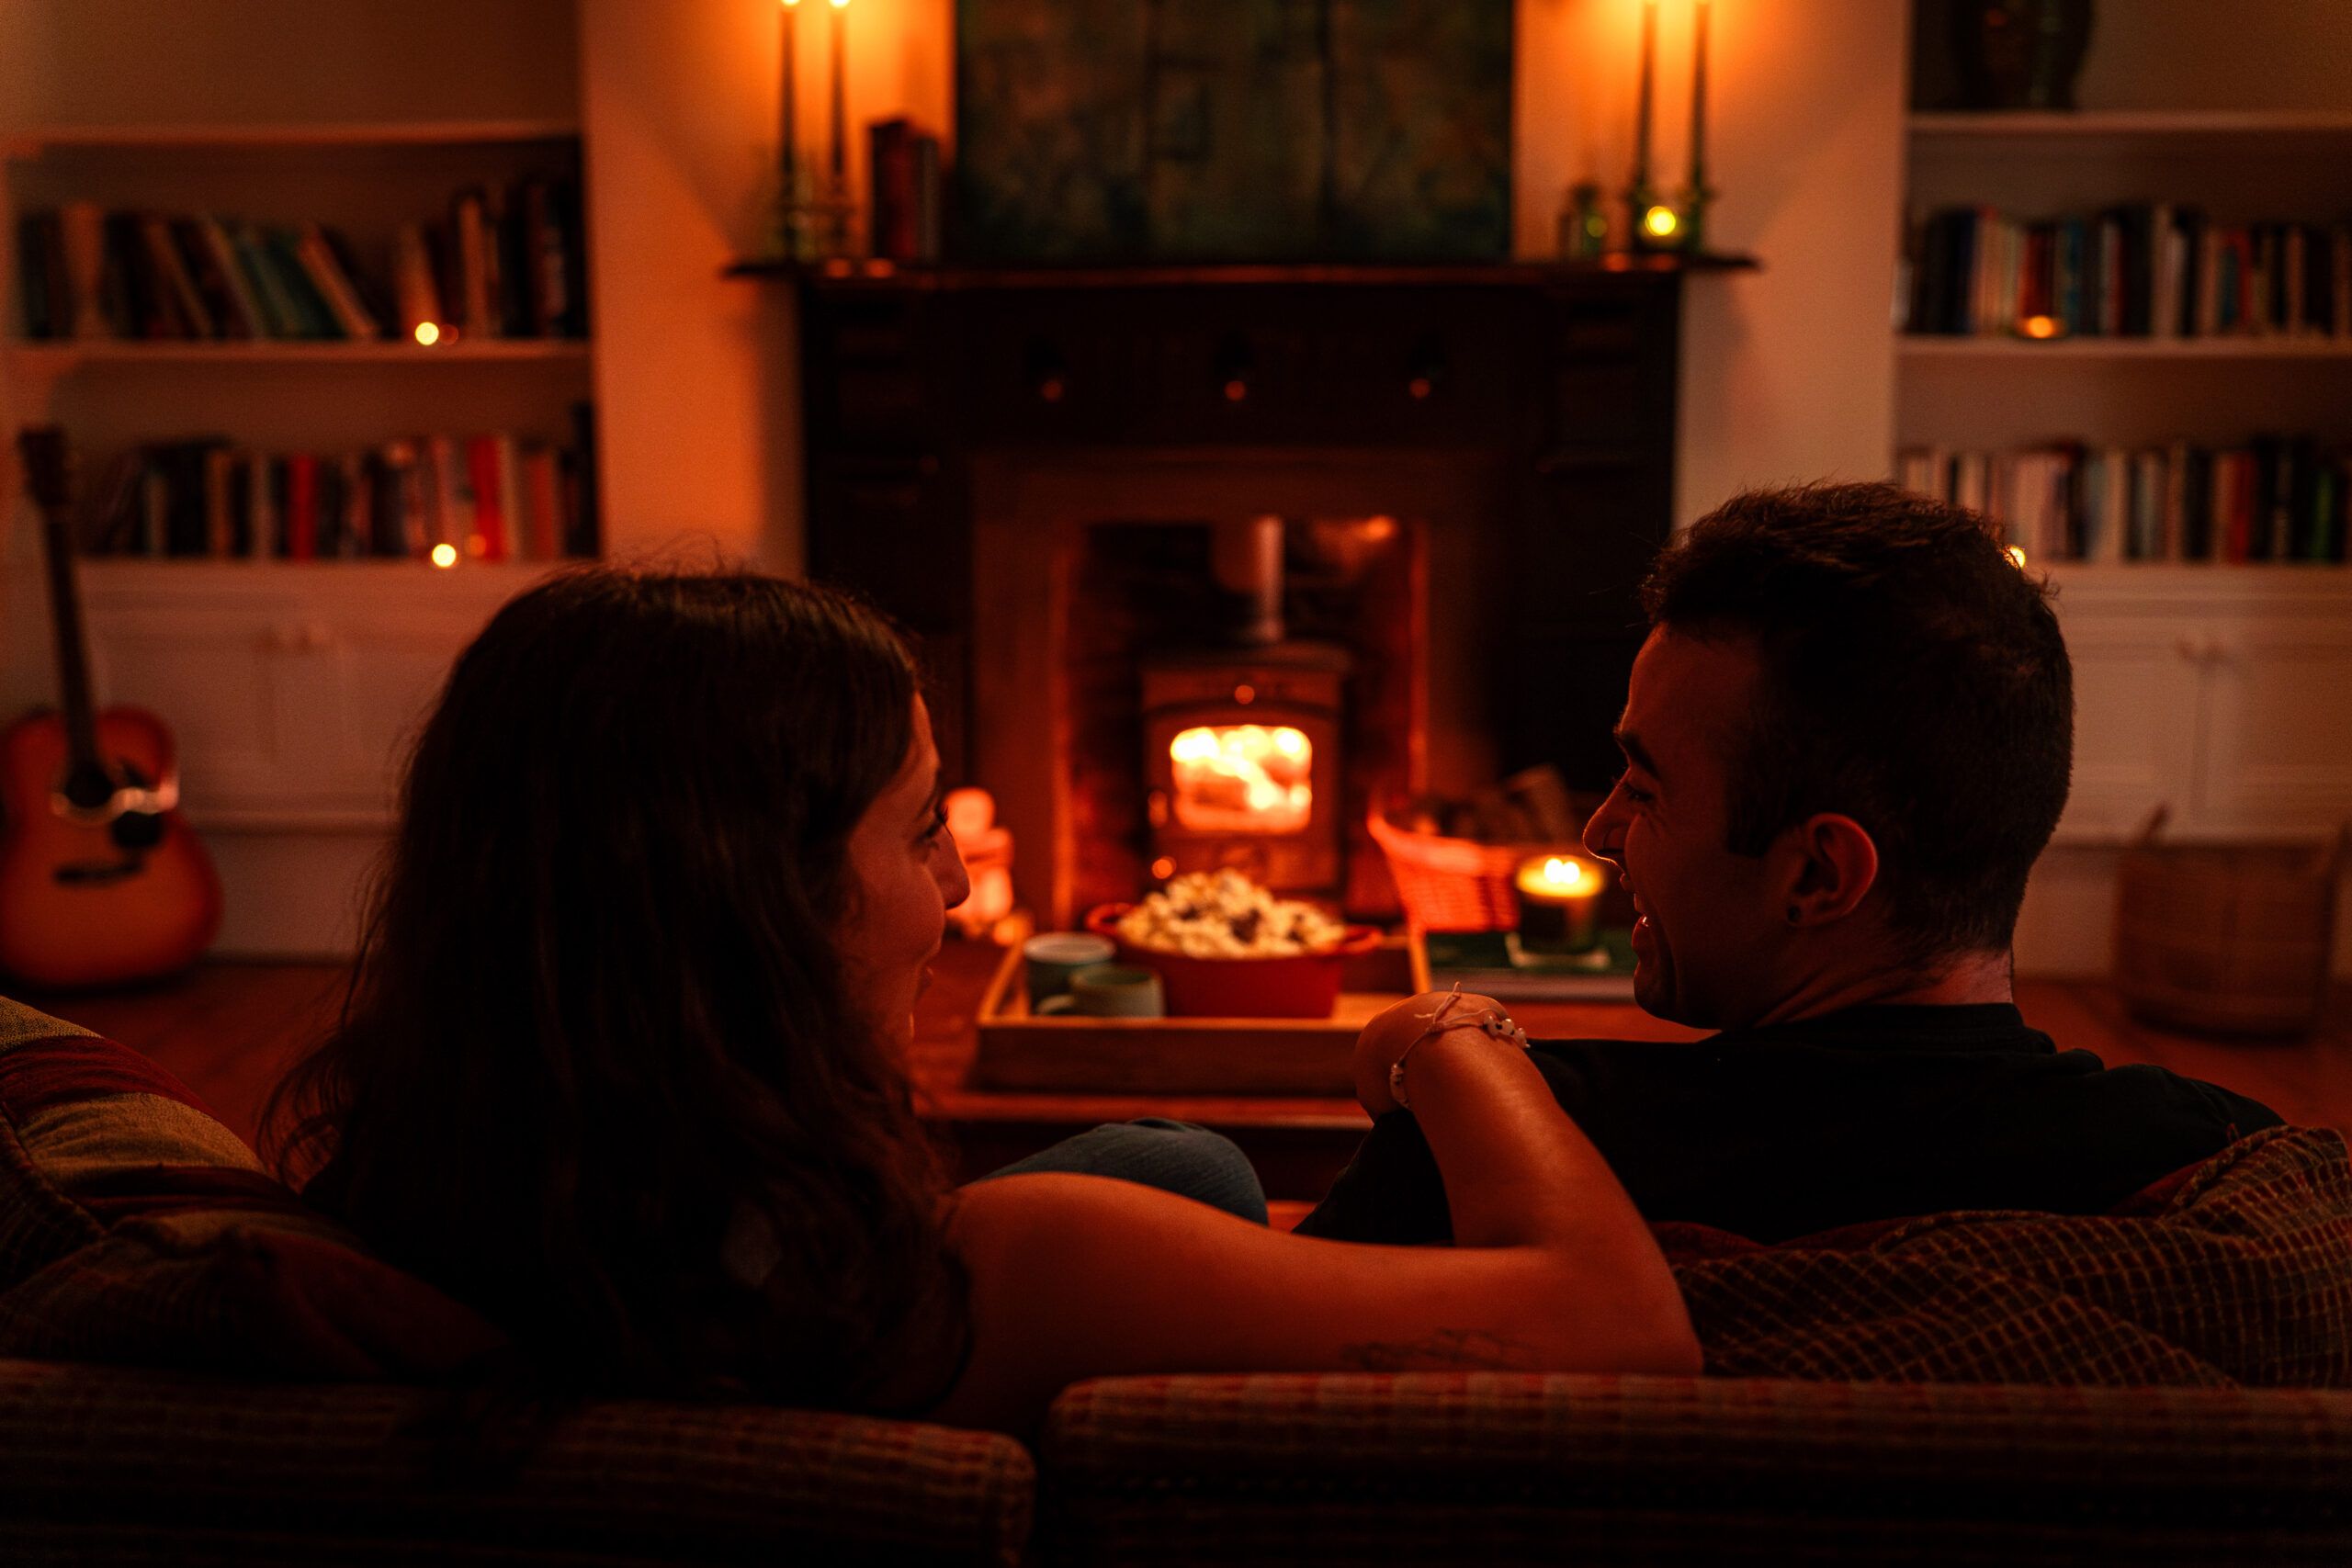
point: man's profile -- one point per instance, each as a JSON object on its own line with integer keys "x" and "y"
{"x": 1847, "y": 740}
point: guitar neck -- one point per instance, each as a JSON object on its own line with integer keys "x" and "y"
{"x": 72, "y": 653}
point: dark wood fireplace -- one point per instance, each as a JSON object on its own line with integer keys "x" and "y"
{"x": 1487, "y": 451}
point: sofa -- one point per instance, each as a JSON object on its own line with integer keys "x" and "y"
{"x": 195, "y": 1369}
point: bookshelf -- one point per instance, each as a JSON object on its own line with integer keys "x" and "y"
{"x": 292, "y": 685}
{"x": 2222, "y": 688}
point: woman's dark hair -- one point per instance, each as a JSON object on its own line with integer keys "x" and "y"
{"x": 596, "y": 1027}
{"x": 1914, "y": 679}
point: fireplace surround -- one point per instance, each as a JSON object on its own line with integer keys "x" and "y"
{"x": 1462, "y": 473}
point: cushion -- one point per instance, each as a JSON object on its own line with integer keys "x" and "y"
{"x": 135, "y": 1228}
{"x": 2235, "y": 1271}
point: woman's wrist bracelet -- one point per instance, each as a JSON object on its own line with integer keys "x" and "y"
{"x": 1492, "y": 1022}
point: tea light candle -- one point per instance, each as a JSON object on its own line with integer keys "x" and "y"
{"x": 1559, "y": 903}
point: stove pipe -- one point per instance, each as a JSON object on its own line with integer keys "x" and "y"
{"x": 1246, "y": 559}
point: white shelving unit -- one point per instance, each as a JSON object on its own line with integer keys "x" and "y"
{"x": 2223, "y": 690}
{"x": 292, "y": 687}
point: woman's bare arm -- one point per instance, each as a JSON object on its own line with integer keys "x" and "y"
{"x": 1076, "y": 1277}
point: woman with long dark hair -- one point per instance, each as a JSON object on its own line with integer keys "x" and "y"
{"x": 623, "y": 1065}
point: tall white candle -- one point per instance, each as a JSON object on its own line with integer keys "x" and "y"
{"x": 1642, "y": 112}
{"x": 1699, "y": 100}
{"x": 838, "y": 158}
{"x": 789, "y": 143}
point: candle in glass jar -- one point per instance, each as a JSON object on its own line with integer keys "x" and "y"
{"x": 1559, "y": 903}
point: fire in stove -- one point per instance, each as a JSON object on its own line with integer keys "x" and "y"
{"x": 1242, "y": 778}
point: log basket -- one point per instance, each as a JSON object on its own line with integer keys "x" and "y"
{"x": 2226, "y": 939}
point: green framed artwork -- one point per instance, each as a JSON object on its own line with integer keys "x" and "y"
{"x": 1095, "y": 130}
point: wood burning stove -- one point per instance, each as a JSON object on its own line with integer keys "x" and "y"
{"x": 1242, "y": 754}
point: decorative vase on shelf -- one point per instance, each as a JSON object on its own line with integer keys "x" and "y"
{"x": 2021, "y": 54}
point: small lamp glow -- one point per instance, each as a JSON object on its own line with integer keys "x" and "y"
{"x": 2041, "y": 326}
{"x": 429, "y": 334}
{"x": 2016, "y": 557}
{"x": 1660, "y": 222}
{"x": 444, "y": 556}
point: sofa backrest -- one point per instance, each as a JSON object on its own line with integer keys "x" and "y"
{"x": 121, "y": 1466}
{"x": 1492, "y": 1467}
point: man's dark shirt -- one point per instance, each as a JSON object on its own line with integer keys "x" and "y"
{"x": 1876, "y": 1112}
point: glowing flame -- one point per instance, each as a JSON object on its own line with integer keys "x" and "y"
{"x": 1660, "y": 222}
{"x": 1243, "y": 778}
{"x": 444, "y": 556}
{"x": 1560, "y": 879}
{"x": 428, "y": 333}
{"x": 2041, "y": 326}
{"x": 2017, "y": 555}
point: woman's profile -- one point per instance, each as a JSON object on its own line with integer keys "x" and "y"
{"x": 624, "y": 1065}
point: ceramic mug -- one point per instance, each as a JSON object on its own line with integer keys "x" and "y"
{"x": 1053, "y": 958}
{"x": 1117, "y": 990}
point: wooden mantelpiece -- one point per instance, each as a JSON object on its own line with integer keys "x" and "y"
{"x": 859, "y": 271}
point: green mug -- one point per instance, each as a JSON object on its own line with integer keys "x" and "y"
{"x": 1116, "y": 991}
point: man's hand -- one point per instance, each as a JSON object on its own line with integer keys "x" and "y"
{"x": 1392, "y": 1032}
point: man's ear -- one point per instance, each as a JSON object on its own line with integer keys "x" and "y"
{"x": 1832, "y": 864}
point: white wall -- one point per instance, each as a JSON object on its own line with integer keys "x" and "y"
{"x": 1787, "y": 372}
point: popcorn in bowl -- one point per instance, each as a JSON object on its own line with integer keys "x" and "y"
{"x": 1222, "y": 914}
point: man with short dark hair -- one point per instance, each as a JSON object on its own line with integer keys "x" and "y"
{"x": 1847, "y": 739}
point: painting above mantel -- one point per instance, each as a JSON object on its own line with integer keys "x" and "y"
{"x": 1122, "y": 130}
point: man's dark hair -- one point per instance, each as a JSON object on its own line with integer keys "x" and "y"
{"x": 1914, "y": 679}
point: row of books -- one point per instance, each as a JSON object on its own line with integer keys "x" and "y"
{"x": 506, "y": 261}
{"x": 2150, "y": 270}
{"x": 486, "y": 498}
{"x": 906, "y": 190}
{"x": 2275, "y": 499}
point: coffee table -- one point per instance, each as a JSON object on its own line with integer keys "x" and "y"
{"x": 1298, "y": 1144}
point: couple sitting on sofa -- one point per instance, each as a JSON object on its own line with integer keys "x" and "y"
{"x": 623, "y": 1071}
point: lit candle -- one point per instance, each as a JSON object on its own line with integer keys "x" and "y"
{"x": 1559, "y": 903}
{"x": 788, "y": 153}
{"x": 1699, "y": 100}
{"x": 1642, "y": 113}
{"x": 837, "y": 160}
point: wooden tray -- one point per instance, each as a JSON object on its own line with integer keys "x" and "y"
{"x": 1019, "y": 1050}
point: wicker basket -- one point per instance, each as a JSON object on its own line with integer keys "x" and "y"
{"x": 2225, "y": 939}
{"x": 1452, "y": 885}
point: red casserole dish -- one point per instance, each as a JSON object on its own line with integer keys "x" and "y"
{"x": 1305, "y": 985}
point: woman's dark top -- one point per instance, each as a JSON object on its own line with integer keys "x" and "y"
{"x": 1873, "y": 1113}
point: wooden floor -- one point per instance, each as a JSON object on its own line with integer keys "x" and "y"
{"x": 228, "y": 1030}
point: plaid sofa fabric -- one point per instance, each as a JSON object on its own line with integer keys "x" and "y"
{"x": 113, "y": 1465}
{"x": 2238, "y": 1270}
{"x": 136, "y": 1228}
{"x": 1511, "y": 1467}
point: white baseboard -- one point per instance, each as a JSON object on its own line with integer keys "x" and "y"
{"x": 297, "y": 895}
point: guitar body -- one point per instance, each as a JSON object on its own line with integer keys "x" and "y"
{"x": 77, "y": 907}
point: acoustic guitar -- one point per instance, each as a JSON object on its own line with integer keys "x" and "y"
{"x": 101, "y": 883}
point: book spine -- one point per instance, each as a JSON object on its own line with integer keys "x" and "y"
{"x": 282, "y": 254}
{"x": 179, "y": 304}
{"x": 81, "y": 238}
{"x": 220, "y": 526}
{"x": 302, "y": 507}
{"x": 241, "y": 310}
{"x": 545, "y": 504}
{"x": 472, "y": 252}
{"x": 488, "y": 538}
{"x": 34, "y": 307}
{"x": 325, "y": 276}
